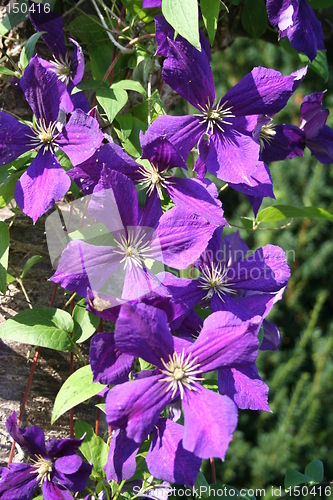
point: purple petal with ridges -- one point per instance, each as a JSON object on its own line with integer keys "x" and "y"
{"x": 183, "y": 236}
{"x": 43, "y": 91}
{"x": 14, "y": 140}
{"x": 143, "y": 331}
{"x": 84, "y": 266}
{"x": 77, "y": 63}
{"x": 266, "y": 270}
{"x": 112, "y": 157}
{"x": 321, "y": 146}
{"x": 232, "y": 156}
{"x": 192, "y": 195}
{"x": 53, "y": 491}
{"x": 68, "y": 464}
{"x": 189, "y": 328}
{"x": 31, "y": 439}
{"x": 80, "y": 137}
{"x": 267, "y": 91}
{"x": 108, "y": 364}
{"x": 136, "y": 406}
{"x": 272, "y": 337}
{"x": 281, "y": 13}
{"x": 210, "y": 419}
{"x": 259, "y": 303}
{"x": 288, "y": 142}
{"x": 140, "y": 282}
{"x": 60, "y": 447}
{"x": 245, "y": 387}
{"x": 44, "y": 183}
{"x": 188, "y": 72}
{"x": 166, "y": 458}
{"x": 76, "y": 481}
{"x": 115, "y": 201}
{"x": 182, "y": 131}
{"x": 313, "y": 115}
{"x": 152, "y": 211}
{"x": 79, "y": 101}
{"x": 226, "y": 341}
{"x": 52, "y": 23}
{"x": 159, "y": 151}
{"x": 121, "y": 462}
{"x": 18, "y": 482}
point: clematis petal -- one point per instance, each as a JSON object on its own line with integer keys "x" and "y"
{"x": 143, "y": 331}
{"x": 183, "y": 236}
{"x": 267, "y": 92}
{"x": 136, "y": 406}
{"x": 43, "y": 91}
{"x": 44, "y": 183}
{"x": 108, "y": 364}
{"x": 84, "y": 266}
{"x": 313, "y": 114}
{"x": 166, "y": 458}
{"x": 68, "y": 464}
{"x": 226, "y": 341}
{"x": 245, "y": 387}
{"x": 272, "y": 337}
{"x": 77, "y": 63}
{"x": 14, "y": 138}
{"x": 121, "y": 462}
{"x": 210, "y": 419}
{"x": 188, "y": 72}
{"x": 266, "y": 270}
{"x": 60, "y": 447}
{"x": 53, "y": 25}
{"x": 160, "y": 151}
{"x": 321, "y": 146}
{"x": 31, "y": 439}
{"x": 18, "y": 482}
{"x": 288, "y": 142}
{"x": 53, "y": 491}
{"x": 80, "y": 137}
{"x": 193, "y": 195}
{"x": 232, "y": 156}
{"x": 76, "y": 481}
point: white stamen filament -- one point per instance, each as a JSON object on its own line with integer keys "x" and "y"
{"x": 133, "y": 249}
{"x": 180, "y": 373}
{"x": 214, "y": 279}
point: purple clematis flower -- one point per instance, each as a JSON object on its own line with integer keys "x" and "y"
{"x": 69, "y": 70}
{"x": 120, "y": 270}
{"x": 209, "y": 418}
{"x": 55, "y": 466}
{"x": 45, "y": 181}
{"x": 297, "y": 20}
{"x": 223, "y": 128}
{"x": 166, "y": 458}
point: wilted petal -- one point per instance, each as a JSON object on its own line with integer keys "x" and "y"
{"x": 143, "y": 331}
{"x": 121, "y": 462}
{"x": 108, "y": 364}
{"x": 44, "y": 183}
{"x": 166, "y": 458}
{"x": 210, "y": 420}
{"x": 245, "y": 387}
{"x": 80, "y": 137}
{"x": 136, "y": 406}
{"x": 226, "y": 341}
{"x": 14, "y": 140}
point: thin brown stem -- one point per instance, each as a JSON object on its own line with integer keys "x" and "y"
{"x": 212, "y": 465}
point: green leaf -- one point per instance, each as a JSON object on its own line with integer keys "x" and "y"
{"x": 14, "y": 18}
{"x": 183, "y": 17}
{"x": 132, "y": 143}
{"x": 319, "y": 64}
{"x": 85, "y": 323}
{"x": 315, "y": 470}
{"x": 112, "y": 101}
{"x": 7, "y": 189}
{"x": 28, "y": 49}
{"x": 78, "y": 388}
{"x": 4, "y": 250}
{"x": 130, "y": 85}
{"x": 210, "y": 13}
{"x": 254, "y": 17}
{"x": 30, "y": 263}
{"x": 10, "y": 278}
{"x": 125, "y": 123}
{"x": 294, "y": 478}
{"x": 201, "y": 482}
{"x": 93, "y": 448}
{"x": 47, "y": 327}
{"x": 89, "y": 85}
{"x": 281, "y": 212}
{"x": 6, "y": 71}
{"x": 101, "y": 406}
{"x": 320, "y": 4}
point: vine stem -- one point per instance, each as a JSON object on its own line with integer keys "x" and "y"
{"x": 34, "y": 363}
{"x": 71, "y": 371}
{"x": 212, "y": 465}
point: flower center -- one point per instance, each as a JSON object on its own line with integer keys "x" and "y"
{"x": 44, "y": 134}
{"x": 214, "y": 280}
{"x": 133, "y": 249}
{"x": 215, "y": 115}
{"x": 62, "y": 68}
{"x": 180, "y": 373}
{"x": 152, "y": 178}
{"x": 43, "y": 468}
{"x": 266, "y": 135}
